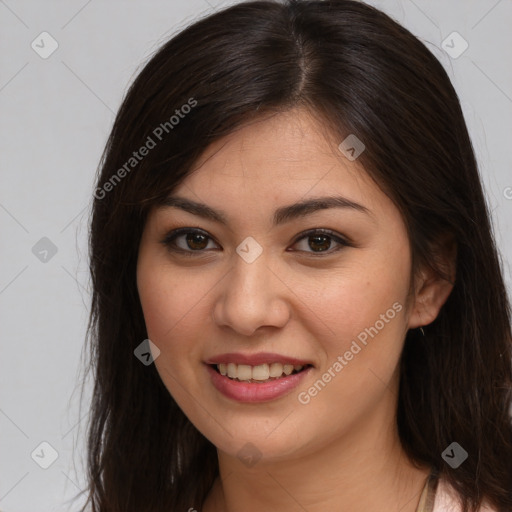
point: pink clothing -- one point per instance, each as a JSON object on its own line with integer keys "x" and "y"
{"x": 446, "y": 500}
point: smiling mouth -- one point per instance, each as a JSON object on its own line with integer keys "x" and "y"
{"x": 257, "y": 374}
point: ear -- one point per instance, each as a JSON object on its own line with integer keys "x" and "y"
{"x": 431, "y": 289}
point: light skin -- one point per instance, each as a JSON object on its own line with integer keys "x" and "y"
{"x": 341, "y": 451}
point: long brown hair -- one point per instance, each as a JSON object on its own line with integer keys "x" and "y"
{"x": 362, "y": 74}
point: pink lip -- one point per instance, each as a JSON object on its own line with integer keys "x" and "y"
{"x": 255, "y": 359}
{"x": 254, "y": 391}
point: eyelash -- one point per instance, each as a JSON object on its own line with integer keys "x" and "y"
{"x": 169, "y": 241}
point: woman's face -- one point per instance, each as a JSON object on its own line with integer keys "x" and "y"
{"x": 259, "y": 285}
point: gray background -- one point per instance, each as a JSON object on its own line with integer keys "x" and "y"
{"x": 56, "y": 114}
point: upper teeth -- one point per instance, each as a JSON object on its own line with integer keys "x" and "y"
{"x": 260, "y": 372}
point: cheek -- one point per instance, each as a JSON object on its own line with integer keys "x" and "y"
{"x": 353, "y": 303}
{"x": 175, "y": 313}
{"x": 363, "y": 321}
{"x": 361, "y": 311}
{"x": 158, "y": 304}
{"x": 175, "y": 308}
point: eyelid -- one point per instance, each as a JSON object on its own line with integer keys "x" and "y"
{"x": 341, "y": 240}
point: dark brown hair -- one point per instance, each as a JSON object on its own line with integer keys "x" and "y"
{"x": 363, "y": 74}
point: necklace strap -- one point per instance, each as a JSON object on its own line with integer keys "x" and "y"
{"x": 428, "y": 494}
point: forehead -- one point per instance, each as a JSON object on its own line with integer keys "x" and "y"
{"x": 287, "y": 156}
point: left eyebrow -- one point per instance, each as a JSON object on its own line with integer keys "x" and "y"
{"x": 306, "y": 207}
{"x": 281, "y": 215}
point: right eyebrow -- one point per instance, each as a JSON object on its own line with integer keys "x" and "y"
{"x": 199, "y": 209}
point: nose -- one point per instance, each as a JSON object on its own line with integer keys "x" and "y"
{"x": 252, "y": 297}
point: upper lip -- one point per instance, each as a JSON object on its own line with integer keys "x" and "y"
{"x": 256, "y": 359}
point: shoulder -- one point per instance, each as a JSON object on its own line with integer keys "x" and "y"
{"x": 446, "y": 500}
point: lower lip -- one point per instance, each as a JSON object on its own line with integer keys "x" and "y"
{"x": 254, "y": 391}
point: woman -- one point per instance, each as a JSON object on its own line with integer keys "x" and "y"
{"x": 297, "y": 299}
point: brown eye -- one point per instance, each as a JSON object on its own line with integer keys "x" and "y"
{"x": 320, "y": 241}
{"x": 196, "y": 241}
{"x": 188, "y": 241}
